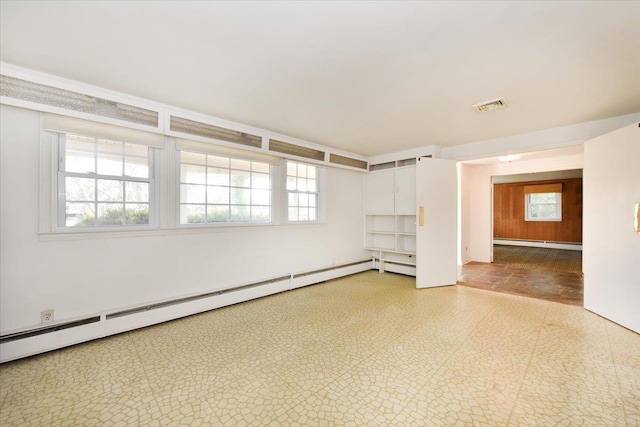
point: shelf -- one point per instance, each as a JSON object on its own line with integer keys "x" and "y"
{"x": 380, "y": 232}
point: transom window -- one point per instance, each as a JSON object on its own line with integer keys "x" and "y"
{"x": 103, "y": 182}
{"x": 302, "y": 192}
{"x": 217, "y": 189}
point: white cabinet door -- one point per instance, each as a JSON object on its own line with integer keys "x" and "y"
{"x": 436, "y": 232}
{"x": 406, "y": 190}
{"x": 380, "y": 192}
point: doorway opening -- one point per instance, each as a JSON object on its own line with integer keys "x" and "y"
{"x": 534, "y": 231}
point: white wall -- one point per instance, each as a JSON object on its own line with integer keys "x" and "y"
{"x": 611, "y": 256}
{"x": 476, "y": 239}
{"x": 477, "y": 234}
{"x": 87, "y": 276}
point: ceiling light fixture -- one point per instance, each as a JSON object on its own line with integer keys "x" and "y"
{"x": 509, "y": 158}
{"x": 494, "y": 104}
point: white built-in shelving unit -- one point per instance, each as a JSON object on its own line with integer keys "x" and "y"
{"x": 390, "y": 225}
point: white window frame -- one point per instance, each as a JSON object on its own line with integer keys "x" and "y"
{"x": 212, "y": 152}
{"x": 320, "y": 171}
{"x": 558, "y": 204}
{"x": 58, "y": 194}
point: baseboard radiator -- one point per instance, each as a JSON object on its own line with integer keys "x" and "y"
{"x": 42, "y": 338}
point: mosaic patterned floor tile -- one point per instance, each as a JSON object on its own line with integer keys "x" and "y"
{"x": 368, "y": 349}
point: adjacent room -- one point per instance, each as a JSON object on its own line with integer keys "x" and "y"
{"x": 319, "y": 213}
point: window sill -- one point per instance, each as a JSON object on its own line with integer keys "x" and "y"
{"x": 67, "y": 235}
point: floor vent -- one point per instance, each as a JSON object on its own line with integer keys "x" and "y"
{"x": 191, "y": 127}
{"x": 24, "y": 90}
{"x": 347, "y": 161}
{"x": 295, "y": 150}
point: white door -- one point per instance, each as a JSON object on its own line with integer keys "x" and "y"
{"x": 436, "y": 231}
{"x": 611, "y": 254}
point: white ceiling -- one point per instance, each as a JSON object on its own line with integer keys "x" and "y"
{"x": 366, "y": 77}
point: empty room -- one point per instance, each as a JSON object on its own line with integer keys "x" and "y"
{"x": 307, "y": 213}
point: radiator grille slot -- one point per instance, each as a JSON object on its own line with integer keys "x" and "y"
{"x": 347, "y": 161}
{"x": 295, "y": 150}
{"x": 47, "y": 329}
{"x": 23, "y": 90}
{"x": 191, "y": 127}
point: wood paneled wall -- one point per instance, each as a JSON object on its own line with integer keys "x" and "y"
{"x": 509, "y": 207}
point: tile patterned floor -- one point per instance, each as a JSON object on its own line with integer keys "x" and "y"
{"x": 550, "y": 285}
{"x": 369, "y": 349}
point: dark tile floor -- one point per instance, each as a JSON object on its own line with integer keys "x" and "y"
{"x": 551, "y": 285}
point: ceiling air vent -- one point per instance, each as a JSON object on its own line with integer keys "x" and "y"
{"x": 495, "y": 104}
{"x": 347, "y": 161}
{"x": 178, "y": 124}
{"x": 295, "y": 150}
{"x": 24, "y": 90}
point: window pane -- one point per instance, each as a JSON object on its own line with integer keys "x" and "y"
{"x": 192, "y": 214}
{"x": 218, "y": 195}
{"x": 311, "y": 185}
{"x": 260, "y": 167}
{"x": 240, "y": 213}
{"x": 216, "y": 213}
{"x": 137, "y": 213}
{"x": 110, "y": 190}
{"x": 543, "y": 198}
{"x": 261, "y": 197}
{"x": 293, "y": 214}
{"x": 244, "y": 165}
{"x": 313, "y": 200}
{"x": 192, "y": 174}
{"x": 302, "y": 184}
{"x": 79, "y": 214}
{"x": 192, "y": 193}
{"x": 293, "y": 199}
{"x": 303, "y": 200}
{"x": 221, "y": 162}
{"x": 240, "y": 196}
{"x": 193, "y": 158}
{"x": 260, "y": 213}
{"x": 302, "y": 170}
{"x": 260, "y": 180}
{"x": 110, "y": 214}
{"x": 137, "y": 192}
{"x": 80, "y": 161}
{"x": 240, "y": 179}
{"x": 303, "y": 214}
{"x": 136, "y": 167}
{"x": 313, "y": 215}
{"x": 80, "y": 189}
{"x": 109, "y": 164}
{"x": 291, "y": 183}
{"x": 217, "y": 176}
{"x": 311, "y": 172}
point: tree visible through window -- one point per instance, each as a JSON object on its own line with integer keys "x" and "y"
{"x": 215, "y": 189}
{"x": 103, "y": 182}
{"x": 543, "y": 207}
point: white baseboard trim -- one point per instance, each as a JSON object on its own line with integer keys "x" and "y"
{"x": 539, "y": 244}
{"x": 39, "y": 339}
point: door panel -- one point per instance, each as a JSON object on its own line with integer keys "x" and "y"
{"x": 436, "y": 232}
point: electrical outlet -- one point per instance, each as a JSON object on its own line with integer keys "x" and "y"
{"x": 46, "y": 316}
